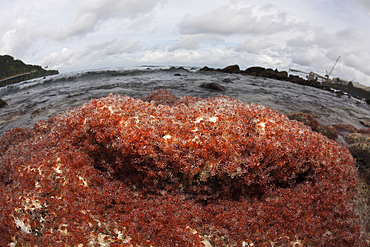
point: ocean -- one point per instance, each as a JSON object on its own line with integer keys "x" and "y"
{"x": 38, "y": 99}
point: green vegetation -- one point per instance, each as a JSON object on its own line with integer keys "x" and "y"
{"x": 10, "y": 66}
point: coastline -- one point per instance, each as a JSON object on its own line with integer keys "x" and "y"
{"x": 354, "y": 89}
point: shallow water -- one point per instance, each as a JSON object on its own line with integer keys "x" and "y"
{"x": 39, "y": 99}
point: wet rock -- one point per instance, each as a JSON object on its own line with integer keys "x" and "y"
{"x": 365, "y": 122}
{"x": 255, "y": 71}
{"x": 306, "y": 119}
{"x": 161, "y": 97}
{"x": 231, "y": 69}
{"x": 361, "y": 152}
{"x": 2, "y": 103}
{"x": 364, "y": 131}
{"x": 268, "y": 73}
{"x": 356, "y": 138}
{"x": 213, "y": 86}
{"x": 282, "y": 74}
{"x": 207, "y": 69}
{"x": 328, "y": 131}
{"x": 344, "y": 129}
{"x": 227, "y": 80}
{"x": 309, "y": 120}
{"x": 359, "y": 145}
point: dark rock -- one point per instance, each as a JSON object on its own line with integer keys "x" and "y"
{"x": 367, "y": 101}
{"x": 177, "y": 74}
{"x": 365, "y": 122}
{"x": 361, "y": 152}
{"x": 344, "y": 129}
{"x": 356, "y": 138}
{"x": 231, "y": 69}
{"x": 282, "y": 74}
{"x": 205, "y": 68}
{"x": 269, "y": 73}
{"x": 214, "y": 86}
{"x": 306, "y": 119}
{"x": 328, "y": 131}
{"x": 161, "y": 97}
{"x": 2, "y": 103}
{"x": 254, "y": 71}
{"x": 227, "y": 80}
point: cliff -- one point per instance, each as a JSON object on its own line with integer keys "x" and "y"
{"x": 9, "y": 67}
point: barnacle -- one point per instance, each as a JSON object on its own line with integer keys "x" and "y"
{"x": 175, "y": 171}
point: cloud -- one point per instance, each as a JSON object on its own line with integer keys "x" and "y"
{"x": 91, "y": 13}
{"x": 192, "y": 41}
{"x": 255, "y": 45}
{"x": 228, "y": 20}
{"x": 115, "y": 46}
{"x": 365, "y": 4}
{"x": 97, "y": 52}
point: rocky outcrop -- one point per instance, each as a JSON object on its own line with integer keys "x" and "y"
{"x": 359, "y": 145}
{"x": 211, "y": 172}
{"x": 213, "y": 86}
{"x": 2, "y": 103}
{"x": 231, "y": 69}
{"x": 309, "y": 120}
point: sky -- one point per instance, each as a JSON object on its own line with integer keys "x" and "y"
{"x": 74, "y": 35}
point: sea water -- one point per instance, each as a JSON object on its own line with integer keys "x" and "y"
{"x": 38, "y": 99}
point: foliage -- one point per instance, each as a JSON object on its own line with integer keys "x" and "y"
{"x": 10, "y": 66}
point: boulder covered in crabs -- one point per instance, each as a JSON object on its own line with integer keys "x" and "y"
{"x": 120, "y": 171}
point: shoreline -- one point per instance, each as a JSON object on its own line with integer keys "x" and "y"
{"x": 354, "y": 89}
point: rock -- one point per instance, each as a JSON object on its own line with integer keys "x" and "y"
{"x": 177, "y": 74}
{"x": 365, "y": 122}
{"x": 367, "y": 101}
{"x": 268, "y": 73}
{"x": 306, "y": 119}
{"x": 231, "y": 69}
{"x": 227, "y": 80}
{"x": 361, "y": 152}
{"x": 359, "y": 145}
{"x": 214, "y": 86}
{"x": 356, "y": 138}
{"x": 364, "y": 131}
{"x": 297, "y": 79}
{"x": 161, "y": 97}
{"x": 205, "y": 68}
{"x": 254, "y": 71}
{"x": 344, "y": 129}
{"x": 121, "y": 171}
{"x": 2, "y": 103}
{"x": 328, "y": 131}
{"x": 309, "y": 120}
{"x": 282, "y": 75}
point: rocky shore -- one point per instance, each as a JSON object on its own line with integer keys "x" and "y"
{"x": 284, "y": 76}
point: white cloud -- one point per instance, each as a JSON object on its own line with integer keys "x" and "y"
{"x": 365, "y": 4}
{"x": 229, "y": 20}
{"x": 255, "y": 45}
{"x": 192, "y": 41}
{"x": 91, "y": 13}
{"x": 98, "y": 52}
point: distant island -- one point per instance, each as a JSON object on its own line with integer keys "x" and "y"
{"x": 14, "y": 70}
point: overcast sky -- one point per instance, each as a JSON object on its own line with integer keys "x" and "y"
{"x": 72, "y": 35}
